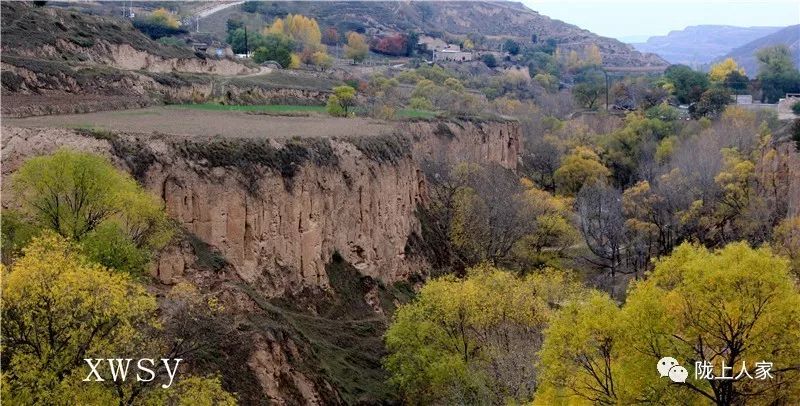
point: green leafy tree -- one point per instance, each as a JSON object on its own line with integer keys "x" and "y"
{"x": 777, "y": 73}
{"x": 274, "y": 47}
{"x": 511, "y": 46}
{"x": 687, "y": 84}
{"x": 83, "y": 197}
{"x": 341, "y": 100}
{"x": 711, "y": 104}
{"x": 581, "y": 166}
{"x": 59, "y": 308}
{"x": 489, "y": 60}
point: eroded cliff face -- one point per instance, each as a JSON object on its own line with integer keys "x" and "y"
{"x": 280, "y": 237}
{"x": 484, "y": 142}
{"x": 278, "y": 231}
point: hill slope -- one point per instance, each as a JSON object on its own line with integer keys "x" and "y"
{"x": 493, "y": 20}
{"x": 700, "y": 44}
{"x": 745, "y": 55}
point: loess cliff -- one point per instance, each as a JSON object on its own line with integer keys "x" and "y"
{"x": 297, "y": 235}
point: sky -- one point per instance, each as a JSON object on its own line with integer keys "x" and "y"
{"x": 644, "y": 18}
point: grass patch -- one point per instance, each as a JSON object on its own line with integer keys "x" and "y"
{"x": 284, "y": 79}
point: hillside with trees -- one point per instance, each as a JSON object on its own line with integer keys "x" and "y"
{"x": 320, "y": 213}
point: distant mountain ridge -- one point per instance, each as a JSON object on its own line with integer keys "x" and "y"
{"x": 745, "y": 55}
{"x": 699, "y": 45}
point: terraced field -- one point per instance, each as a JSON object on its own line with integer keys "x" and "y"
{"x": 202, "y": 120}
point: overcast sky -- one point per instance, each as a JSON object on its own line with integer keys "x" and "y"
{"x": 626, "y": 18}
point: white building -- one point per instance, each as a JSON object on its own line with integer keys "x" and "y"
{"x": 452, "y": 55}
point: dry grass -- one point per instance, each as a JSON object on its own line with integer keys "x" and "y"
{"x": 205, "y": 123}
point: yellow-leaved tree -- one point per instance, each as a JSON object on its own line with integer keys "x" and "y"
{"x": 736, "y": 308}
{"x": 60, "y": 308}
{"x": 163, "y": 17}
{"x": 356, "y": 48}
{"x": 720, "y": 71}
{"x": 581, "y": 166}
{"x": 474, "y": 340}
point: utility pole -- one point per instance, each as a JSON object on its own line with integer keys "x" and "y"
{"x": 246, "y": 48}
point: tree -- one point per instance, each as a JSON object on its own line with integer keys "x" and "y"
{"x": 688, "y": 85}
{"x": 321, "y": 60}
{"x": 777, "y": 73}
{"x": 590, "y": 86}
{"x": 474, "y": 340}
{"x": 511, "y": 46}
{"x": 334, "y": 108}
{"x": 356, "y": 48}
{"x": 83, "y": 197}
{"x": 331, "y": 36}
{"x": 720, "y": 71}
{"x": 346, "y": 96}
{"x": 275, "y": 47}
{"x": 737, "y": 305}
{"x": 580, "y": 167}
{"x": 711, "y": 104}
{"x": 163, "y": 17}
{"x": 579, "y": 353}
{"x": 593, "y": 56}
{"x": 786, "y": 241}
{"x": 60, "y": 308}
{"x": 304, "y": 31}
{"x": 602, "y": 224}
{"x": 489, "y": 60}
{"x": 236, "y": 39}
{"x": 233, "y": 25}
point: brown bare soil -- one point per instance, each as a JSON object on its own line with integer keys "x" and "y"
{"x": 191, "y": 122}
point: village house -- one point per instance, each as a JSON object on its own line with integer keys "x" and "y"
{"x": 452, "y": 53}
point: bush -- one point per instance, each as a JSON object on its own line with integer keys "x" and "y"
{"x": 796, "y": 108}
{"x": 489, "y": 60}
{"x": 334, "y": 108}
{"x": 156, "y": 30}
{"x": 420, "y": 103}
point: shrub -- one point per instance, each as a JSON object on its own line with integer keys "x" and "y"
{"x": 796, "y": 108}
{"x": 420, "y": 103}
{"x": 489, "y": 60}
{"x": 334, "y": 108}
